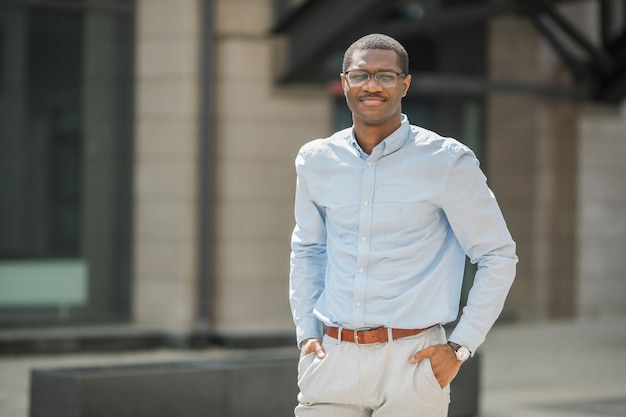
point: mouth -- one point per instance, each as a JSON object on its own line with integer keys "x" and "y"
{"x": 372, "y": 100}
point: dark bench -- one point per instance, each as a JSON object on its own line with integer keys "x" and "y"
{"x": 231, "y": 387}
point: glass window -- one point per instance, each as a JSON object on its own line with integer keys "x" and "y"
{"x": 65, "y": 161}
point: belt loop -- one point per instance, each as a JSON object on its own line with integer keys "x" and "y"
{"x": 389, "y": 334}
{"x": 339, "y": 334}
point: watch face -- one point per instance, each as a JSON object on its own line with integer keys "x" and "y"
{"x": 463, "y": 353}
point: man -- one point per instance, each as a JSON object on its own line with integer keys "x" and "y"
{"x": 385, "y": 214}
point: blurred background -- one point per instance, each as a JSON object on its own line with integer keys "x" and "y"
{"x": 147, "y": 147}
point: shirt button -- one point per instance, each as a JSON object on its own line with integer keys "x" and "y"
{"x": 369, "y": 163}
{"x": 365, "y": 203}
{"x": 361, "y": 270}
{"x": 358, "y": 303}
{"x": 363, "y": 238}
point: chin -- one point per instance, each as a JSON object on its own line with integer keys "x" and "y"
{"x": 373, "y": 119}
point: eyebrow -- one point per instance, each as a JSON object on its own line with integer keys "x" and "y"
{"x": 375, "y": 71}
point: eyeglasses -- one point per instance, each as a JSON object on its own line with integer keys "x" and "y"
{"x": 385, "y": 79}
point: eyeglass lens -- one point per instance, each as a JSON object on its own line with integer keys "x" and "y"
{"x": 384, "y": 79}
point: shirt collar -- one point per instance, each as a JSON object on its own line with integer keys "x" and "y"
{"x": 390, "y": 144}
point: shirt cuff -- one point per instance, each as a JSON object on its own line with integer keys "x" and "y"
{"x": 467, "y": 336}
{"x": 312, "y": 329}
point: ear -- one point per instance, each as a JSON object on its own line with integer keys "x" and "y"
{"x": 406, "y": 83}
{"x": 344, "y": 84}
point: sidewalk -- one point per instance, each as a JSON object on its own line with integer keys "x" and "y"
{"x": 557, "y": 369}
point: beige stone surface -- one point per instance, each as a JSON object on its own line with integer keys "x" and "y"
{"x": 243, "y": 17}
{"x": 259, "y": 128}
{"x": 601, "y": 224}
{"x": 166, "y": 168}
{"x": 168, "y": 17}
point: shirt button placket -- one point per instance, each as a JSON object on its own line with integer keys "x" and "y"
{"x": 363, "y": 252}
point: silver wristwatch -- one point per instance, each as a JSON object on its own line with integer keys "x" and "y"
{"x": 462, "y": 352}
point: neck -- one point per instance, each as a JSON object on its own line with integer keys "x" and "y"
{"x": 369, "y": 136}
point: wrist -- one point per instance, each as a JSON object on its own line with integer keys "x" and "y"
{"x": 454, "y": 346}
{"x": 462, "y": 352}
{"x": 307, "y": 340}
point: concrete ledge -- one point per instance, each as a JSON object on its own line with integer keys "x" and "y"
{"x": 241, "y": 387}
{"x": 465, "y": 390}
{"x": 119, "y": 338}
{"x": 231, "y": 387}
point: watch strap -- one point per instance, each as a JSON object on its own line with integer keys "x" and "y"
{"x": 454, "y": 346}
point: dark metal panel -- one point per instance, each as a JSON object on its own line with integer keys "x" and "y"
{"x": 204, "y": 319}
{"x": 607, "y": 11}
{"x": 572, "y": 62}
{"x": 600, "y": 69}
{"x": 612, "y": 89}
{"x": 318, "y": 26}
{"x": 598, "y": 57}
{"x": 73, "y": 6}
{"x": 424, "y": 84}
{"x": 450, "y": 17}
{"x": 471, "y": 12}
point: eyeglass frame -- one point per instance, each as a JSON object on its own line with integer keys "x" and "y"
{"x": 369, "y": 77}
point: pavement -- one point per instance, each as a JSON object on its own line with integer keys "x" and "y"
{"x": 573, "y": 368}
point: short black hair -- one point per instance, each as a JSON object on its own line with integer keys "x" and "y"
{"x": 377, "y": 41}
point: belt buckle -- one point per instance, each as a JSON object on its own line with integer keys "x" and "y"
{"x": 356, "y": 333}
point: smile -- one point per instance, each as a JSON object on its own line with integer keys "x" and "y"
{"x": 372, "y": 100}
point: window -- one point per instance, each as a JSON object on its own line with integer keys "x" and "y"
{"x": 65, "y": 161}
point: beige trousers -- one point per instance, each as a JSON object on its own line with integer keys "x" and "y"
{"x": 374, "y": 380}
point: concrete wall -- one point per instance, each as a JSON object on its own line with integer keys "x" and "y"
{"x": 602, "y": 211}
{"x": 166, "y": 163}
{"x": 601, "y": 227}
{"x": 558, "y": 168}
{"x": 259, "y": 128}
{"x": 531, "y": 163}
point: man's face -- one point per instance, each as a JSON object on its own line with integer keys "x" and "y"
{"x": 370, "y": 103}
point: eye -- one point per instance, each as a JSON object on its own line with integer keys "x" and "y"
{"x": 386, "y": 77}
{"x": 358, "y": 76}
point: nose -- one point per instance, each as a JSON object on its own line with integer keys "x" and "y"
{"x": 372, "y": 84}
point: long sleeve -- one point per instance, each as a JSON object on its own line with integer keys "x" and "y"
{"x": 479, "y": 226}
{"x": 308, "y": 258}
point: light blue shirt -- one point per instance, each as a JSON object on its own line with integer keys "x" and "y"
{"x": 381, "y": 239}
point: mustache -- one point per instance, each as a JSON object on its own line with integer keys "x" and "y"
{"x": 367, "y": 96}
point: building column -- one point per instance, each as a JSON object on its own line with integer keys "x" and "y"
{"x": 166, "y": 164}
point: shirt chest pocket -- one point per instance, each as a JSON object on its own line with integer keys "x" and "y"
{"x": 404, "y": 222}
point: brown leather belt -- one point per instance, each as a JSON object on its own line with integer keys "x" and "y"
{"x": 367, "y": 336}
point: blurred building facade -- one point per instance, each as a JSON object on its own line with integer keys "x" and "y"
{"x": 147, "y": 147}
